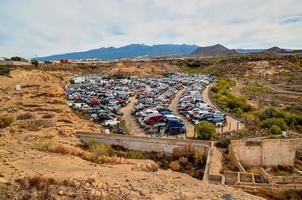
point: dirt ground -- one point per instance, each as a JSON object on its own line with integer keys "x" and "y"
{"x": 43, "y": 97}
{"x": 173, "y": 107}
{"x": 131, "y": 122}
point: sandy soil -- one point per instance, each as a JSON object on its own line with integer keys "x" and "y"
{"x": 131, "y": 122}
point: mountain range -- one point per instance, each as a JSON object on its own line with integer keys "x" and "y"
{"x": 142, "y": 50}
{"x": 129, "y": 51}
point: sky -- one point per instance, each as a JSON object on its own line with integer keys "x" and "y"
{"x": 31, "y": 28}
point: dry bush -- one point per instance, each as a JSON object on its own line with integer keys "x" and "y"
{"x": 135, "y": 155}
{"x": 6, "y": 120}
{"x": 175, "y": 166}
{"x": 153, "y": 167}
{"x": 46, "y": 144}
{"x": 64, "y": 149}
{"x": 112, "y": 160}
{"x": 25, "y": 116}
{"x": 146, "y": 167}
{"x": 86, "y": 155}
{"x": 185, "y": 151}
{"x": 43, "y": 143}
{"x": 42, "y": 188}
{"x": 67, "y": 121}
{"x": 36, "y": 124}
{"x": 48, "y": 116}
{"x": 99, "y": 149}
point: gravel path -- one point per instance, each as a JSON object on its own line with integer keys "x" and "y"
{"x": 173, "y": 107}
{"x": 133, "y": 126}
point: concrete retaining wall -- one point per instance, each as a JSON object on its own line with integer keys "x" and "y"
{"x": 269, "y": 152}
{"x": 147, "y": 144}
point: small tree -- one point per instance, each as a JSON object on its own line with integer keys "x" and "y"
{"x": 275, "y": 130}
{"x": 35, "y": 63}
{"x": 205, "y": 130}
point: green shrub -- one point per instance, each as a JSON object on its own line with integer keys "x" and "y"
{"x": 214, "y": 89}
{"x": 224, "y": 142}
{"x": 255, "y": 88}
{"x": 99, "y": 149}
{"x": 270, "y": 113}
{"x": 293, "y": 120}
{"x": 6, "y": 120}
{"x": 230, "y": 103}
{"x": 205, "y": 130}
{"x": 5, "y": 69}
{"x": 135, "y": 155}
{"x": 268, "y": 123}
{"x": 275, "y": 130}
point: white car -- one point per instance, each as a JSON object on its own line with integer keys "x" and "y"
{"x": 111, "y": 123}
{"x": 69, "y": 103}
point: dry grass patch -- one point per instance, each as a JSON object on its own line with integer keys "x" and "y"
{"x": 48, "y": 116}
{"x": 50, "y": 145}
{"x": 6, "y": 120}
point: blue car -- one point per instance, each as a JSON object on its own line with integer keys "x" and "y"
{"x": 175, "y": 126}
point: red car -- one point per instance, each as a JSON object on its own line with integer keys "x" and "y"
{"x": 154, "y": 119}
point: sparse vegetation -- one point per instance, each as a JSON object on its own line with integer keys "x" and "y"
{"x": 135, "y": 155}
{"x": 44, "y": 188}
{"x": 228, "y": 102}
{"x": 205, "y": 130}
{"x": 50, "y": 145}
{"x": 99, "y": 149}
{"x": 48, "y": 116}
{"x": 25, "y": 116}
{"x": 273, "y": 119}
{"x": 6, "y": 120}
{"x": 5, "y": 69}
{"x": 255, "y": 88}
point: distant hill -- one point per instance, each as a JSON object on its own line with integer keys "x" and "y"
{"x": 275, "y": 50}
{"x": 278, "y": 50}
{"x": 215, "y": 50}
{"x": 129, "y": 51}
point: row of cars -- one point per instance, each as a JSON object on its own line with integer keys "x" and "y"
{"x": 192, "y": 106}
{"x": 152, "y": 107}
{"x": 100, "y": 98}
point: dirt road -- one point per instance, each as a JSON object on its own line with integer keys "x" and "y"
{"x": 131, "y": 123}
{"x": 173, "y": 107}
{"x": 231, "y": 123}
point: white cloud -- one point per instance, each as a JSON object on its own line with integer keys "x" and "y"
{"x": 34, "y": 27}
